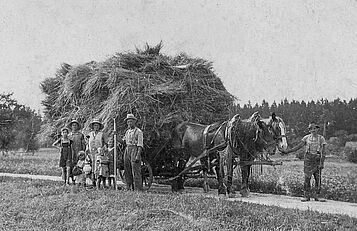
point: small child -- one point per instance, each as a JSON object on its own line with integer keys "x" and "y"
{"x": 111, "y": 178}
{"x": 78, "y": 172}
{"x": 102, "y": 166}
{"x": 87, "y": 169}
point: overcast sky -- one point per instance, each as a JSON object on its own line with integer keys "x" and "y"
{"x": 294, "y": 49}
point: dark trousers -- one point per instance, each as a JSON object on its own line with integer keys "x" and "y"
{"x": 132, "y": 169}
{"x": 307, "y": 183}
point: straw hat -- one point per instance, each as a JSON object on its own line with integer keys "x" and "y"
{"x": 74, "y": 121}
{"x": 313, "y": 125}
{"x": 65, "y": 128}
{"x": 130, "y": 117}
{"x": 96, "y": 121}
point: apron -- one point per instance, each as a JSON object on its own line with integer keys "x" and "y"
{"x": 95, "y": 142}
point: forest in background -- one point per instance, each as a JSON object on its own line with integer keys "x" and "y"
{"x": 339, "y": 117}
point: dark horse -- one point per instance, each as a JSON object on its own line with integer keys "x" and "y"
{"x": 246, "y": 138}
{"x": 196, "y": 140}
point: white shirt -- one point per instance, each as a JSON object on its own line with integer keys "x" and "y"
{"x": 134, "y": 137}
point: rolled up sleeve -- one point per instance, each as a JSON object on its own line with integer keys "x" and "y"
{"x": 140, "y": 139}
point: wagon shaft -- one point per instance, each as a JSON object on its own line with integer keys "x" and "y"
{"x": 271, "y": 163}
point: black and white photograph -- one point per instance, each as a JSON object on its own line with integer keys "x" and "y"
{"x": 178, "y": 115}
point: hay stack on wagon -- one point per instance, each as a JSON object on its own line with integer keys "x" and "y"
{"x": 160, "y": 90}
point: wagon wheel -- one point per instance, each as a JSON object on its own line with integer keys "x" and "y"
{"x": 146, "y": 174}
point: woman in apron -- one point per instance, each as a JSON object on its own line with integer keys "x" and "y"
{"x": 97, "y": 139}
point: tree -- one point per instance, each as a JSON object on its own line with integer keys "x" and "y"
{"x": 325, "y": 118}
{"x": 18, "y": 125}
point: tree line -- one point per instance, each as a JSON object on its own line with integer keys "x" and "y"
{"x": 336, "y": 118}
{"x": 20, "y": 125}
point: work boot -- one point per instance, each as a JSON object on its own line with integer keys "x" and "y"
{"x": 306, "y": 197}
{"x": 316, "y": 198}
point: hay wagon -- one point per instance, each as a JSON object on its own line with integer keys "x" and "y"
{"x": 159, "y": 163}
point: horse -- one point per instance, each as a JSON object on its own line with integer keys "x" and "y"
{"x": 190, "y": 139}
{"x": 247, "y": 138}
{"x": 206, "y": 141}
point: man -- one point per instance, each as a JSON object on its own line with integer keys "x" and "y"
{"x": 132, "y": 155}
{"x": 313, "y": 160}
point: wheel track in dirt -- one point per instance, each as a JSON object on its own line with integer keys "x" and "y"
{"x": 332, "y": 207}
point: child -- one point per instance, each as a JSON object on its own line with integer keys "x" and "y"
{"x": 87, "y": 168}
{"x": 64, "y": 144}
{"x": 78, "y": 172}
{"x": 102, "y": 166}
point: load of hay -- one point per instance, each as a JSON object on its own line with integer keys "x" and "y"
{"x": 159, "y": 90}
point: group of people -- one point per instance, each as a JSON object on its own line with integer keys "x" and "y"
{"x": 92, "y": 156}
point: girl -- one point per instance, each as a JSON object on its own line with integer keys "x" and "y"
{"x": 64, "y": 144}
{"x": 102, "y": 166}
{"x": 111, "y": 178}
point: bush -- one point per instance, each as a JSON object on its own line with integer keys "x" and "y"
{"x": 351, "y": 154}
{"x": 333, "y": 149}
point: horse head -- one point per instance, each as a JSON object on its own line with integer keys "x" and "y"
{"x": 264, "y": 136}
{"x": 278, "y": 129}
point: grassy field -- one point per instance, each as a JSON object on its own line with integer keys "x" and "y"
{"x": 44, "y": 162}
{"x": 46, "y": 205}
{"x": 339, "y": 181}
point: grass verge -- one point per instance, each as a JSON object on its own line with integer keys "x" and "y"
{"x": 45, "y": 205}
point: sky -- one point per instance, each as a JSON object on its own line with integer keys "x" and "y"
{"x": 261, "y": 49}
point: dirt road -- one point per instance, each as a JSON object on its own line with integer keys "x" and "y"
{"x": 333, "y": 207}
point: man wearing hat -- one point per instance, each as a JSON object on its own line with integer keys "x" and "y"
{"x": 313, "y": 160}
{"x": 97, "y": 139}
{"x": 132, "y": 155}
{"x": 77, "y": 137}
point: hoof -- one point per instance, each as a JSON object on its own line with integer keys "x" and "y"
{"x": 206, "y": 188}
{"x": 222, "y": 195}
{"x": 245, "y": 193}
{"x": 231, "y": 195}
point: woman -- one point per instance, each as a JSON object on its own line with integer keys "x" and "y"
{"x": 313, "y": 160}
{"x": 97, "y": 139}
{"x": 78, "y": 140}
{"x": 77, "y": 137}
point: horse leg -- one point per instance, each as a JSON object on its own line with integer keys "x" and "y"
{"x": 245, "y": 178}
{"x": 230, "y": 190}
{"x": 222, "y": 189}
{"x": 181, "y": 180}
{"x": 205, "y": 185}
{"x": 177, "y": 185}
